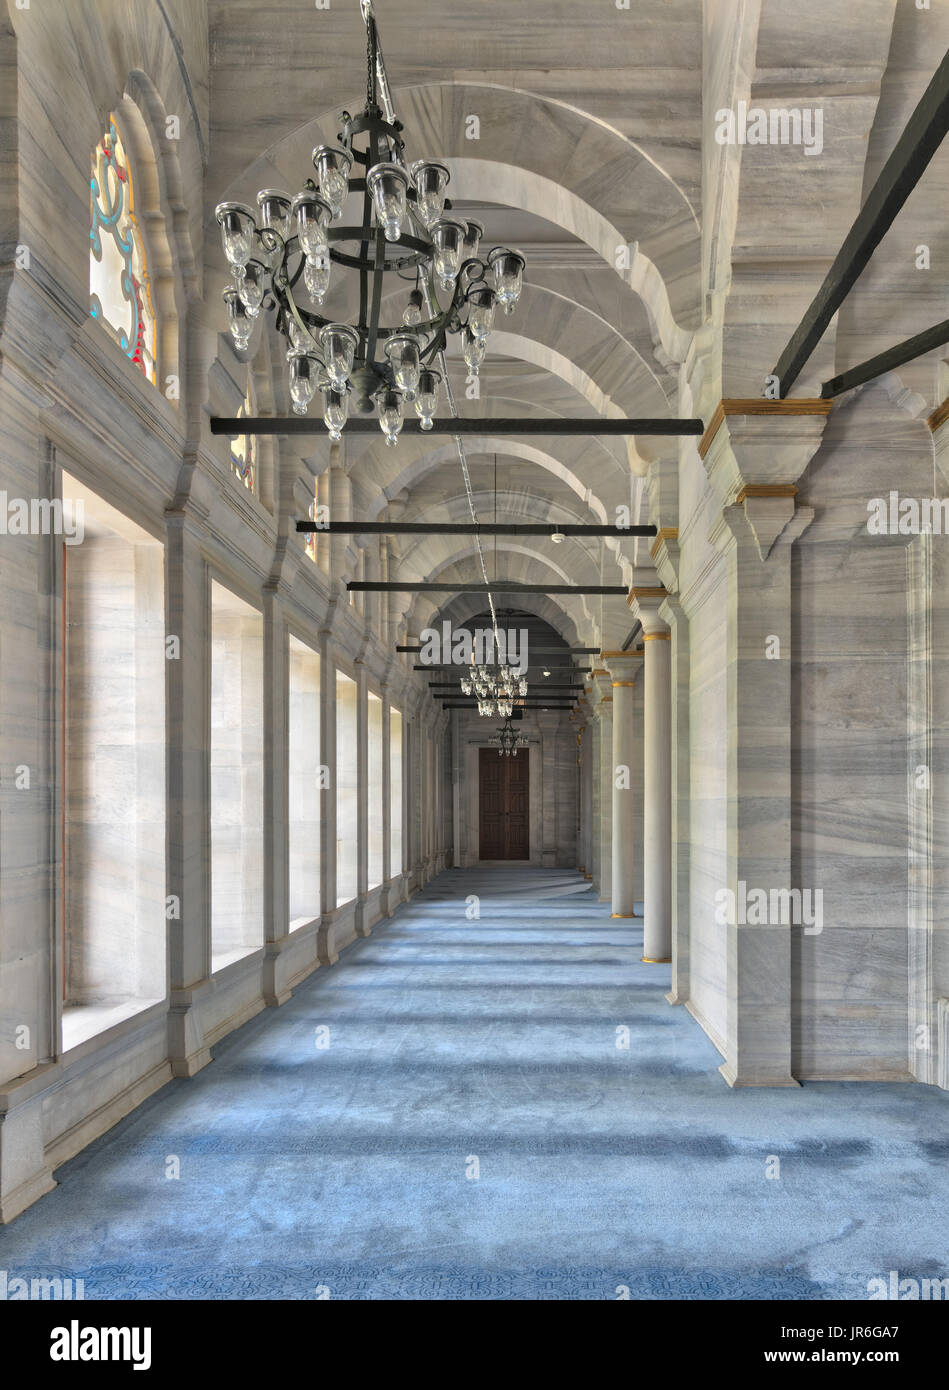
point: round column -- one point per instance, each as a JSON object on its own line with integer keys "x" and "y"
{"x": 623, "y": 672}
{"x": 657, "y": 799}
{"x": 586, "y": 797}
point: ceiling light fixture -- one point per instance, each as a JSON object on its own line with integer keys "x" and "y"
{"x": 287, "y": 255}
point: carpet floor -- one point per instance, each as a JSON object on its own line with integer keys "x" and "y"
{"x": 478, "y": 1128}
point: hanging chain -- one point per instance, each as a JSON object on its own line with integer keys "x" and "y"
{"x": 368, "y": 15}
{"x": 370, "y": 59}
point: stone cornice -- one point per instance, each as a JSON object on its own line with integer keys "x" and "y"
{"x": 757, "y": 405}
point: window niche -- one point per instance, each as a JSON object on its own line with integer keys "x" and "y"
{"x": 237, "y": 754}
{"x": 395, "y": 793}
{"x": 347, "y": 813}
{"x": 113, "y": 794}
{"x": 305, "y": 783}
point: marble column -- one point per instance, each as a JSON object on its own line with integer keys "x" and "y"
{"x": 386, "y": 896}
{"x": 657, "y": 797}
{"x": 189, "y": 870}
{"x": 624, "y": 668}
{"x": 671, "y": 610}
{"x": 362, "y": 799}
{"x": 586, "y": 799}
{"x": 753, "y": 461}
{"x": 603, "y": 777}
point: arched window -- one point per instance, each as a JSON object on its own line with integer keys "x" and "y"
{"x": 244, "y": 450}
{"x": 310, "y": 538}
{"x": 120, "y": 294}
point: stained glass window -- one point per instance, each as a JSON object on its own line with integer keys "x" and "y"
{"x": 244, "y": 451}
{"x": 120, "y": 295}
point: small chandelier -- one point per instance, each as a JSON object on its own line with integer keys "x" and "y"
{"x": 508, "y": 740}
{"x": 285, "y": 256}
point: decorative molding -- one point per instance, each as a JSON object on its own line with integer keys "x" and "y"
{"x": 766, "y": 490}
{"x": 665, "y": 533}
{"x": 618, "y": 656}
{"x": 757, "y": 405}
{"x": 657, "y": 637}
{"x": 629, "y": 683}
{"x": 636, "y": 595}
{"x": 939, "y": 416}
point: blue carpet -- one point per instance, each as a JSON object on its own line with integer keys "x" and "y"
{"x": 603, "y": 1172}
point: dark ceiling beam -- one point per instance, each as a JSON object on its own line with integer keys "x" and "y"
{"x": 564, "y": 669}
{"x": 467, "y": 528}
{"x": 499, "y": 586}
{"x": 589, "y": 428}
{"x": 902, "y": 171}
{"x": 473, "y": 705}
{"x": 888, "y": 361}
{"x": 537, "y": 651}
{"x": 552, "y": 685}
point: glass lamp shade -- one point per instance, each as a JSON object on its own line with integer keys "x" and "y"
{"x": 239, "y": 321}
{"x": 335, "y": 409}
{"x": 275, "y": 211}
{"x": 389, "y": 184}
{"x": 431, "y": 180}
{"x": 426, "y": 401}
{"x": 332, "y": 164}
{"x": 448, "y": 237}
{"x": 390, "y": 415}
{"x": 402, "y": 351}
{"x": 316, "y": 275}
{"x": 508, "y": 267}
{"x": 300, "y": 339}
{"x": 312, "y": 215}
{"x": 474, "y": 351}
{"x": 413, "y": 310}
{"x": 237, "y": 232}
{"x": 250, "y": 286}
{"x": 473, "y": 234}
{"x": 303, "y": 378}
{"x": 482, "y": 302}
{"x": 522, "y": 687}
{"x": 465, "y": 686}
{"x": 339, "y": 343}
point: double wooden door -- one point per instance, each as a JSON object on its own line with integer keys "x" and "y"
{"x": 504, "y": 799}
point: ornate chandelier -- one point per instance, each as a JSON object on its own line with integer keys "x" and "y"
{"x": 285, "y": 257}
{"x": 494, "y": 686}
{"x": 508, "y": 740}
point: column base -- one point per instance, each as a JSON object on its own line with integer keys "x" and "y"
{"x": 624, "y": 914}
{"x": 588, "y": 877}
{"x": 656, "y": 960}
{"x": 733, "y": 1078}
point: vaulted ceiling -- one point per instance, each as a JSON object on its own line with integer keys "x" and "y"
{"x": 594, "y": 123}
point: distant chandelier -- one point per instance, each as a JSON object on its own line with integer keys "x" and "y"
{"x": 494, "y": 687}
{"x": 286, "y": 255}
{"x": 508, "y": 740}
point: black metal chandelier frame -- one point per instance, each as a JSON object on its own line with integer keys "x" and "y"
{"x": 380, "y": 141}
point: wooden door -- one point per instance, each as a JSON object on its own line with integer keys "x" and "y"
{"x": 504, "y": 800}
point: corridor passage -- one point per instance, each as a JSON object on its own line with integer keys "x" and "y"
{"x": 473, "y": 1125}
